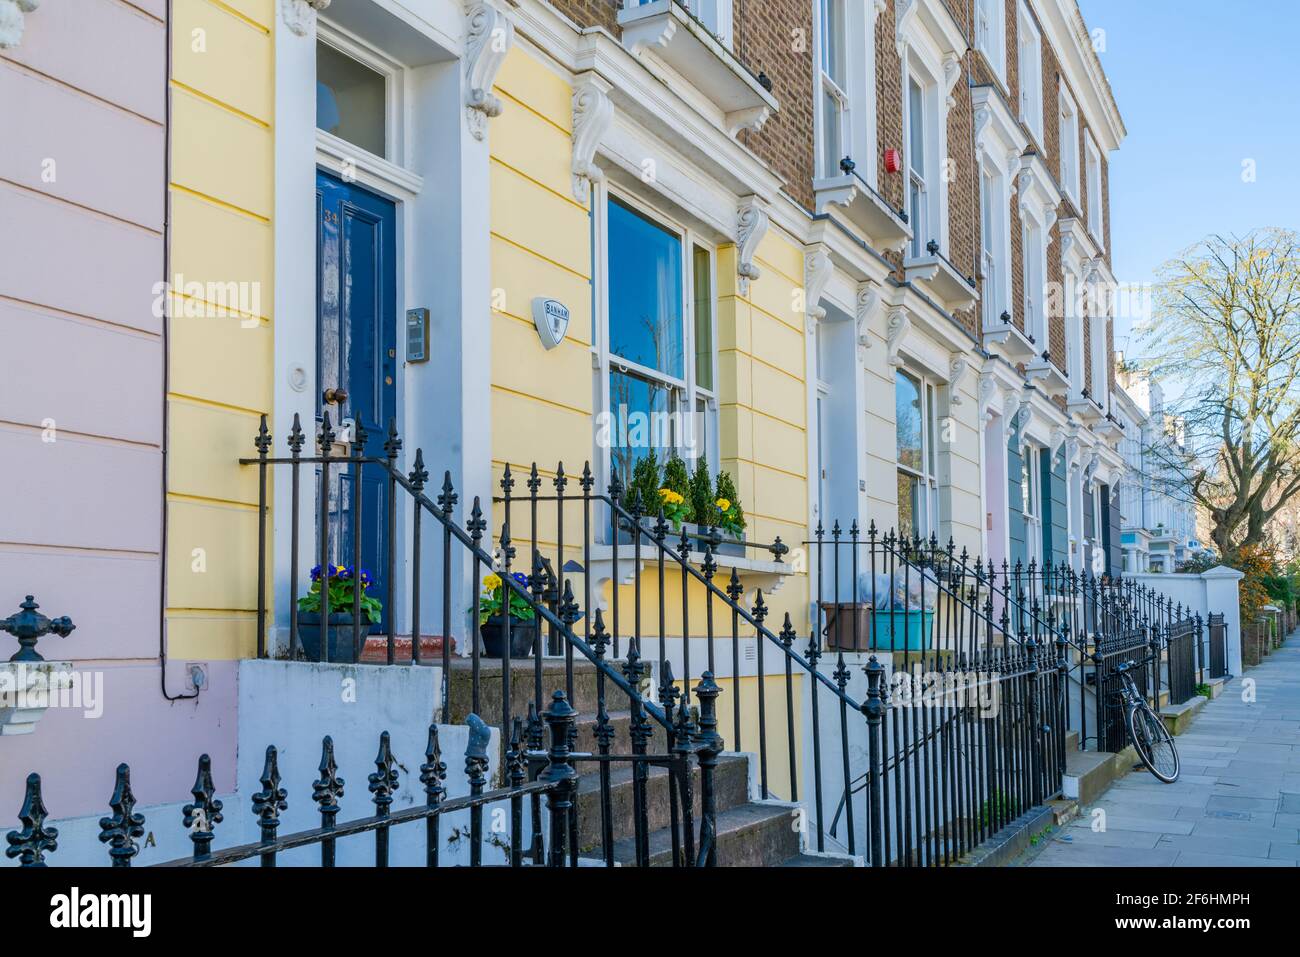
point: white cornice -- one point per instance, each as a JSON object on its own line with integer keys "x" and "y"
{"x": 931, "y": 16}
{"x": 1064, "y": 28}
{"x": 655, "y": 106}
{"x": 1077, "y": 247}
{"x": 997, "y": 132}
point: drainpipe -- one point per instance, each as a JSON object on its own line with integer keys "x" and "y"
{"x": 166, "y": 364}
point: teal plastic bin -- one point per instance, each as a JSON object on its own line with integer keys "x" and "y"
{"x": 902, "y": 631}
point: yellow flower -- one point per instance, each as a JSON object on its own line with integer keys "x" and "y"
{"x": 723, "y": 504}
{"x": 492, "y": 581}
{"x": 670, "y": 497}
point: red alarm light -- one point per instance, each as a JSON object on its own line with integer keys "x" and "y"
{"x": 893, "y": 161}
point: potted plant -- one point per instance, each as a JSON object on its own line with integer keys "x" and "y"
{"x": 492, "y": 619}
{"x": 343, "y": 582}
{"x": 673, "y": 497}
{"x": 731, "y": 516}
{"x": 643, "y": 488}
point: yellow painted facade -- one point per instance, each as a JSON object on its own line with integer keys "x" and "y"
{"x": 220, "y": 378}
{"x": 542, "y": 402}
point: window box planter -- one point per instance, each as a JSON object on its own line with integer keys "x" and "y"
{"x": 877, "y": 630}
{"x": 723, "y": 542}
{"x": 342, "y": 649}
{"x": 523, "y": 637}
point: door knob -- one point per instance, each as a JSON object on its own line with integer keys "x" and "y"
{"x": 335, "y": 396}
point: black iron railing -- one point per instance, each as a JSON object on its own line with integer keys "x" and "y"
{"x": 959, "y": 727}
{"x": 121, "y": 831}
{"x": 1217, "y": 651}
{"x": 1182, "y": 643}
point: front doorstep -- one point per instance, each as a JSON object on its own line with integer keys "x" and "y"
{"x": 375, "y": 651}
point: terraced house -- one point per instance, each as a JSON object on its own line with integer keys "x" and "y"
{"x": 645, "y": 357}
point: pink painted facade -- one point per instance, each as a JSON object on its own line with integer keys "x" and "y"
{"x": 82, "y": 238}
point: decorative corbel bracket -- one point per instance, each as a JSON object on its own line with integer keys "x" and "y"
{"x": 751, "y": 226}
{"x": 868, "y": 301}
{"x": 983, "y": 118}
{"x": 1059, "y": 437}
{"x": 490, "y": 35}
{"x": 11, "y": 21}
{"x": 1012, "y": 402}
{"x": 593, "y": 112}
{"x": 1072, "y": 448}
{"x": 640, "y": 35}
{"x": 957, "y": 366}
{"x": 988, "y": 388}
{"x": 300, "y": 15}
{"x": 751, "y": 119}
{"x": 951, "y": 73}
{"x": 817, "y": 272}
{"x": 897, "y": 327}
{"x": 1090, "y": 470}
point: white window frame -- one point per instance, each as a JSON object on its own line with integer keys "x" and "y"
{"x": 927, "y": 523}
{"x": 1032, "y": 255}
{"x": 714, "y": 14}
{"x": 928, "y": 225}
{"x": 1100, "y": 373}
{"x": 686, "y": 392}
{"x": 991, "y": 34}
{"x": 990, "y": 246}
{"x": 1074, "y": 338}
{"x": 394, "y": 75}
{"x": 829, "y": 86}
{"x": 1030, "y": 61}
{"x": 1031, "y": 504}
{"x": 1092, "y": 164}
{"x": 1068, "y": 136}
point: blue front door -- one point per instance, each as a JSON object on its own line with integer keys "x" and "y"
{"x": 356, "y": 356}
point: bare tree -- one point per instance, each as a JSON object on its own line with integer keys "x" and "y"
{"x": 1225, "y": 337}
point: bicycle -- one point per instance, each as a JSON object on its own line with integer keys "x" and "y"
{"x": 1151, "y": 739}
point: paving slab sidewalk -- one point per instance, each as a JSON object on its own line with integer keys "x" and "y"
{"x": 1236, "y": 804}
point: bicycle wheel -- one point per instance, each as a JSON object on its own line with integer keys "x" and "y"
{"x": 1153, "y": 742}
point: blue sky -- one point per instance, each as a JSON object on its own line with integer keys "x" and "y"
{"x": 1202, "y": 87}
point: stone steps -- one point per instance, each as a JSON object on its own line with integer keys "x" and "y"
{"x": 749, "y": 833}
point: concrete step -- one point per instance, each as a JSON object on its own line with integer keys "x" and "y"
{"x": 819, "y": 860}
{"x": 620, "y": 722}
{"x": 751, "y": 835}
{"x": 1089, "y": 773}
{"x": 491, "y": 695}
{"x": 1178, "y": 717}
{"x": 731, "y": 787}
